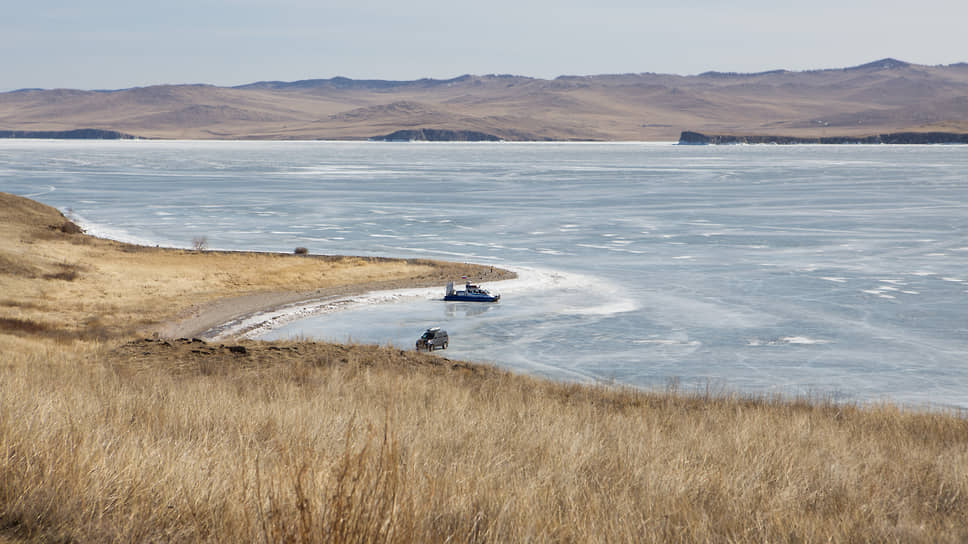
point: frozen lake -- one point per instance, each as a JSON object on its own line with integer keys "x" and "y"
{"x": 835, "y": 271}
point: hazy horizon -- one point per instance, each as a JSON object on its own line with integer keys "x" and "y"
{"x": 105, "y": 89}
{"x": 104, "y": 44}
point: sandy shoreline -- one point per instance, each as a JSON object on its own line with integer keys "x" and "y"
{"x": 253, "y": 315}
{"x": 208, "y": 321}
{"x": 248, "y": 316}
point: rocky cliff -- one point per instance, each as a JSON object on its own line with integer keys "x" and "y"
{"x": 77, "y": 134}
{"x": 696, "y": 138}
{"x": 437, "y": 135}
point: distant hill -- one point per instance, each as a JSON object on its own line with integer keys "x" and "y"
{"x": 885, "y": 96}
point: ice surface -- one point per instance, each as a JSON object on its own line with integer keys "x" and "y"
{"x": 825, "y": 270}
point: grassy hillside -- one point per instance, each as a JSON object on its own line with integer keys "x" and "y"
{"x": 108, "y": 436}
{"x": 880, "y": 97}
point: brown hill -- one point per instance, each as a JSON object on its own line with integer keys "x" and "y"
{"x": 879, "y": 97}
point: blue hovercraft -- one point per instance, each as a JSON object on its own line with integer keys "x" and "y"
{"x": 471, "y": 293}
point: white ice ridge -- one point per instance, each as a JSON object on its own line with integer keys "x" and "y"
{"x": 260, "y": 323}
{"x": 607, "y": 298}
{"x": 795, "y": 340}
{"x": 50, "y": 189}
{"x": 108, "y": 233}
{"x": 529, "y": 281}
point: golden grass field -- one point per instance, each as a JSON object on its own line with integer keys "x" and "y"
{"x": 111, "y": 435}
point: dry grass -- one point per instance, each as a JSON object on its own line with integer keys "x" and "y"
{"x": 104, "y": 439}
{"x": 356, "y": 443}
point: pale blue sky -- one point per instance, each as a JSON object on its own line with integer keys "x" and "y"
{"x": 110, "y": 44}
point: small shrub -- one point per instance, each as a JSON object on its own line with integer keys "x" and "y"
{"x": 200, "y": 243}
{"x": 66, "y": 275}
{"x": 301, "y": 251}
{"x": 94, "y": 329}
{"x": 69, "y": 227}
{"x": 68, "y": 272}
{"x": 13, "y": 324}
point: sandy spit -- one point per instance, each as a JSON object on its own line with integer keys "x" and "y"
{"x": 247, "y": 315}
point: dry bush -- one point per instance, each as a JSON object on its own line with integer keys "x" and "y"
{"x": 301, "y": 251}
{"x": 92, "y": 329}
{"x": 65, "y": 272}
{"x": 200, "y": 243}
{"x": 13, "y": 324}
{"x": 69, "y": 227}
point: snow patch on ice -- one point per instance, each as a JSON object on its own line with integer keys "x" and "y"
{"x": 788, "y": 340}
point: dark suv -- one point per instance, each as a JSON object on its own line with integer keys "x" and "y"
{"x": 432, "y": 339}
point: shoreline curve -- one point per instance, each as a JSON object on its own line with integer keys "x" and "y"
{"x": 246, "y": 316}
